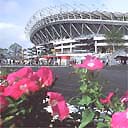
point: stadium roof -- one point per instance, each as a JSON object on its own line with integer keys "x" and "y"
{"x": 47, "y": 16}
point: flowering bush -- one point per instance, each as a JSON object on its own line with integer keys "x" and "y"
{"x": 25, "y": 96}
{"x": 98, "y": 110}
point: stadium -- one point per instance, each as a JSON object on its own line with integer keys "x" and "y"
{"x": 74, "y": 32}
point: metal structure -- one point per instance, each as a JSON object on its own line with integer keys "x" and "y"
{"x": 74, "y": 31}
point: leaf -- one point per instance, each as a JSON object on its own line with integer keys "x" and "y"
{"x": 8, "y": 118}
{"x": 86, "y": 100}
{"x": 83, "y": 88}
{"x": 23, "y": 111}
{"x": 107, "y": 118}
{"x": 87, "y": 117}
{"x": 12, "y": 111}
{"x": 92, "y": 91}
{"x": 102, "y": 125}
{"x": 98, "y": 104}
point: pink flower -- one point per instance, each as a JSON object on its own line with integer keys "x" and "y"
{"x": 3, "y": 103}
{"x": 24, "y": 72}
{"x": 34, "y": 77}
{"x": 11, "y": 78}
{"x": 120, "y": 120}
{"x": 21, "y": 73}
{"x": 124, "y": 99}
{"x": 32, "y": 86}
{"x": 45, "y": 75}
{"x": 19, "y": 88}
{"x": 13, "y": 91}
{"x": 107, "y": 99}
{"x": 91, "y": 63}
{"x": 2, "y": 87}
{"x": 58, "y": 105}
{"x": 3, "y": 76}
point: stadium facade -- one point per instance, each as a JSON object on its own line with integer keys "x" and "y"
{"x": 75, "y": 33}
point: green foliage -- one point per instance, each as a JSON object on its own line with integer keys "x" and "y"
{"x": 85, "y": 100}
{"x": 25, "y": 110}
{"x": 114, "y": 37}
{"x": 102, "y": 125}
{"x": 90, "y": 94}
{"x": 87, "y": 117}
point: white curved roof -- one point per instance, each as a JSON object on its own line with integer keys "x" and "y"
{"x": 47, "y": 16}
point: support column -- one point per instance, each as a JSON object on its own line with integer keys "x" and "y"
{"x": 70, "y": 47}
{"x": 95, "y": 46}
{"x": 62, "y": 48}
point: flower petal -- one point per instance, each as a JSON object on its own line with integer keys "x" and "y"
{"x": 46, "y": 76}
{"x": 58, "y": 105}
{"x": 91, "y": 63}
{"x": 120, "y": 120}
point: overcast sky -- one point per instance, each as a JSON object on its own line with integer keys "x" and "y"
{"x": 14, "y": 15}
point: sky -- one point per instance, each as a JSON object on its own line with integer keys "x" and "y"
{"x": 15, "y": 14}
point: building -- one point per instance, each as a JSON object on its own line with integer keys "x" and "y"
{"x": 75, "y": 33}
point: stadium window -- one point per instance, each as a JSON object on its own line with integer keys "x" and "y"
{"x": 65, "y": 44}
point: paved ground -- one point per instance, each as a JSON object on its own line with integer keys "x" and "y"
{"x": 68, "y": 83}
{"x": 114, "y": 77}
{"x": 117, "y": 77}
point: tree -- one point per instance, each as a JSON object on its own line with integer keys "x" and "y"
{"x": 114, "y": 37}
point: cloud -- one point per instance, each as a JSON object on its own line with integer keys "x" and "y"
{"x": 7, "y": 26}
{"x": 12, "y": 33}
{"x": 116, "y": 5}
{"x": 7, "y": 6}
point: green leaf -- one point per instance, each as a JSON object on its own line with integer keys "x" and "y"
{"x": 20, "y": 102}
{"x": 98, "y": 104}
{"x": 83, "y": 88}
{"x": 12, "y": 111}
{"x": 23, "y": 111}
{"x": 8, "y": 118}
{"x": 11, "y": 101}
{"x": 86, "y": 100}
{"x": 107, "y": 118}
{"x": 87, "y": 117}
{"x": 102, "y": 125}
{"x": 92, "y": 91}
